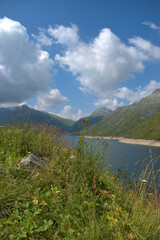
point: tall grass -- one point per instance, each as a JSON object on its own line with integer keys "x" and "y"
{"x": 73, "y": 198}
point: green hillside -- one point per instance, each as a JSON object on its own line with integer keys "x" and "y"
{"x": 102, "y": 112}
{"x": 92, "y": 119}
{"x": 124, "y": 120}
{"x": 27, "y": 114}
{"x": 148, "y": 129}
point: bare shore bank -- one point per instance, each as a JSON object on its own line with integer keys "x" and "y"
{"x": 153, "y": 143}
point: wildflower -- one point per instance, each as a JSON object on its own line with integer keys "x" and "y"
{"x": 113, "y": 196}
{"x": 112, "y": 219}
{"x": 57, "y": 192}
{"x": 54, "y": 190}
{"x": 35, "y": 201}
{"x": 144, "y": 181}
{"x": 109, "y": 165}
{"x": 131, "y": 236}
{"x": 72, "y": 156}
{"x": 105, "y": 191}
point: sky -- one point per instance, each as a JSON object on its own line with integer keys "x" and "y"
{"x": 70, "y": 57}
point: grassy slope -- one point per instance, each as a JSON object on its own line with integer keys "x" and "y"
{"x": 102, "y": 112}
{"x": 148, "y": 129}
{"x": 72, "y": 198}
{"x": 124, "y": 120}
{"x": 92, "y": 119}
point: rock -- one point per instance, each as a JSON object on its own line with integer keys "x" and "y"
{"x": 32, "y": 160}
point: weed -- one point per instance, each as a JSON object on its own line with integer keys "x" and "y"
{"x": 72, "y": 198}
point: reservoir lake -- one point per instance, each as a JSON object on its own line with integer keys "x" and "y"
{"x": 132, "y": 158}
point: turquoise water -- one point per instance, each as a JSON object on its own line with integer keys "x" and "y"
{"x": 130, "y": 157}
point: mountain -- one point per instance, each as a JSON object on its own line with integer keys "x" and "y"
{"x": 148, "y": 129}
{"x": 25, "y": 113}
{"x": 91, "y": 120}
{"x": 124, "y": 120}
{"x": 138, "y": 120}
{"x": 101, "y": 112}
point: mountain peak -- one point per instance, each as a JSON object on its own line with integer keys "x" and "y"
{"x": 101, "y": 111}
{"x": 24, "y": 106}
{"x": 156, "y": 92}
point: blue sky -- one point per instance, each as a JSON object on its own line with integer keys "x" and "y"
{"x": 70, "y": 57}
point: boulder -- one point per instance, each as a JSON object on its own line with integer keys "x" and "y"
{"x": 32, "y": 160}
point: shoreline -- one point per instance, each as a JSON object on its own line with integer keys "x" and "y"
{"x": 153, "y": 143}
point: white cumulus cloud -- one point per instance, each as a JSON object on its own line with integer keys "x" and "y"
{"x": 147, "y": 47}
{"x": 151, "y": 25}
{"x": 50, "y": 99}
{"x": 117, "y": 98}
{"x": 104, "y": 62}
{"x": 65, "y": 35}
{"x": 24, "y": 67}
{"x": 68, "y": 112}
{"x": 42, "y": 38}
{"x": 111, "y": 103}
{"x": 139, "y": 93}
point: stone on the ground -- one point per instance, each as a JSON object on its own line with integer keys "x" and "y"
{"x": 32, "y": 160}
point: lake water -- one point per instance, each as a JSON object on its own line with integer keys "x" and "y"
{"x": 130, "y": 157}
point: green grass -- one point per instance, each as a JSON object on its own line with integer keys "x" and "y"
{"x": 133, "y": 121}
{"x": 148, "y": 129}
{"x": 72, "y": 199}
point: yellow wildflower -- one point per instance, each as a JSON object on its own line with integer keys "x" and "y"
{"x": 112, "y": 219}
{"x": 131, "y": 236}
{"x": 35, "y": 201}
{"x": 105, "y": 191}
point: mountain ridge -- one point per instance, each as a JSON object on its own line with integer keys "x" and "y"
{"x": 26, "y": 113}
{"x": 91, "y": 120}
{"x": 126, "y": 121}
{"x": 123, "y": 120}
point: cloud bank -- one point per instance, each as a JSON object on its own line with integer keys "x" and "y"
{"x": 104, "y": 62}
{"x": 25, "y": 69}
{"x": 50, "y": 99}
{"x": 124, "y": 93}
{"x": 99, "y": 65}
{"x": 68, "y": 112}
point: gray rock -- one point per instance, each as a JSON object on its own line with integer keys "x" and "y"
{"x": 32, "y": 160}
